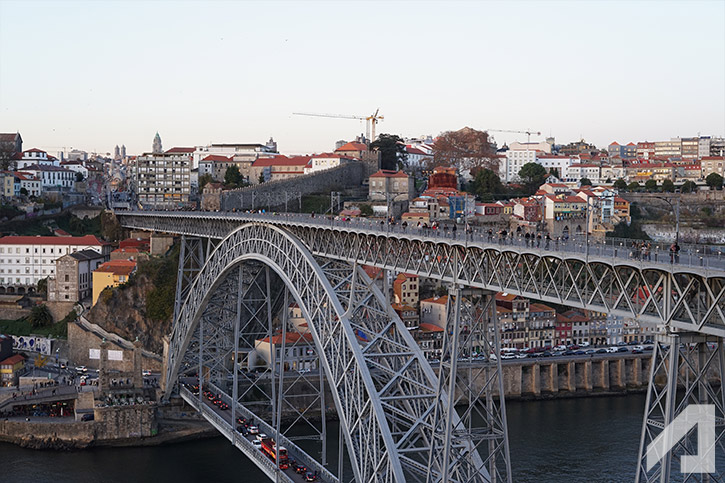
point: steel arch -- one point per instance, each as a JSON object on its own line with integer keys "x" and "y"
{"x": 380, "y": 442}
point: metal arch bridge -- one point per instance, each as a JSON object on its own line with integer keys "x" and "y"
{"x": 395, "y": 412}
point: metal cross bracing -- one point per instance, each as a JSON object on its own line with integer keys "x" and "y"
{"x": 678, "y": 296}
{"x": 686, "y": 369}
{"x": 382, "y": 386}
{"x": 473, "y": 389}
{"x": 683, "y": 297}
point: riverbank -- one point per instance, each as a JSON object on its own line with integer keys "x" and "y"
{"x": 57, "y": 434}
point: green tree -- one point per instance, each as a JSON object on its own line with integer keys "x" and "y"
{"x": 42, "y": 287}
{"x": 620, "y": 184}
{"x": 79, "y": 177}
{"x": 634, "y": 186}
{"x": 261, "y": 178}
{"x": 634, "y": 230}
{"x": 366, "y": 210}
{"x": 650, "y": 185}
{"x": 392, "y": 151}
{"x": 486, "y": 184}
{"x": 205, "y": 179}
{"x": 533, "y": 175}
{"x": 40, "y": 316}
{"x": 23, "y": 192}
{"x": 714, "y": 180}
{"x": 688, "y": 187}
{"x": 585, "y": 182}
{"x": 232, "y": 177}
{"x": 668, "y": 186}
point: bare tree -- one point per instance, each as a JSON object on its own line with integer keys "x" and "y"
{"x": 465, "y": 149}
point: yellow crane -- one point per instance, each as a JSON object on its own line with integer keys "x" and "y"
{"x": 371, "y": 120}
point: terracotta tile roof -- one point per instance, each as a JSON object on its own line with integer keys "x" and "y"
{"x": 117, "y": 267}
{"x": 34, "y": 150}
{"x": 52, "y": 240}
{"x": 384, "y": 173}
{"x": 400, "y": 307}
{"x": 352, "y": 146}
{"x": 218, "y": 159}
{"x": 505, "y": 297}
{"x": 614, "y": 143}
{"x": 535, "y": 307}
{"x": 126, "y": 250}
{"x": 178, "y": 150}
{"x": 436, "y": 300}
{"x": 429, "y": 327}
{"x": 12, "y": 360}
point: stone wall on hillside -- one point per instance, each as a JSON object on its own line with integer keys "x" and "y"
{"x": 274, "y": 193}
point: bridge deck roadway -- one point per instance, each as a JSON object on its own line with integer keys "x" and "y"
{"x": 614, "y": 279}
{"x": 222, "y": 421}
{"x": 703, "y": 258}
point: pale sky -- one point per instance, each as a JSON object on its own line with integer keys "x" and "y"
{"x": 94, "y": 74}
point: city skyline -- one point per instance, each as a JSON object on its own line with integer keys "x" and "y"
{"x": 117, "y": 78}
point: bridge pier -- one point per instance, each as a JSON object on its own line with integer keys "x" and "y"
{"x": 617, "y": 378}
{"x": 583, "y": 378}
{"x": 549, "y": 377}
{"x": 680, "y": 376}
{"x": 600, "y": 375}
{"x": 566, "y": 375}
{"x": 531, "y": 380}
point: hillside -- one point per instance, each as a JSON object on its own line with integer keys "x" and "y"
{"x": 144, "y": 306}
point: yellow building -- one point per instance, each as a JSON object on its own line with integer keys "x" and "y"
{"x": 9, "y": 369}
{"x": 111, "y": 274}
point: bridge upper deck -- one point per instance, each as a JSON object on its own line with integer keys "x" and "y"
{"x": 708, "y": 260}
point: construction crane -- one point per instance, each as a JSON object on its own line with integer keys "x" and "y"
{"x": 528, "y": 133}
{"x": 371, "y": 121}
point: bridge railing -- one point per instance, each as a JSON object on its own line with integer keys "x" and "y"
{"x": 690, "y": 254}
{"x": 310, "y": 462}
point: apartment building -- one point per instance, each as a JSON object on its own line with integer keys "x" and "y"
{"x": 163, "y": 180}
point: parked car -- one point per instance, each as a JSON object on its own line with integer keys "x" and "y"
{"x": 601, "y": 351}
{"x": 622, "y": 349}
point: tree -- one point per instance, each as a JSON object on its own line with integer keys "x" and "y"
{"x": 232, "y": 177}
{"x": 466, "y": 148}
{"x": 205, "y": 179}
{"x": 533, "y": 175}
{"x": 79, "y": 177}
{"x": 261, "y": 178}
{"x": 650, "y": 185}
{"x": 668, "y": 186}
{"x": 634, "y": 231}
{"x": 40, "y": 316}
{"x": 714, "y": 180}
{"x": 620, "y": 184}
{"x": 42, "y": 286}
{"x": 688, "y": 187}
{"x": 486, "y": 183}
{"x": 392, "y": 151}
{"x": 23, "y": 192}
{"x": 366, "y": 210}
{"x": 585, "y": 182}
{"x": 634, "y": 186}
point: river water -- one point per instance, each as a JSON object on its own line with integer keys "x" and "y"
{"x": 567, "y": 440}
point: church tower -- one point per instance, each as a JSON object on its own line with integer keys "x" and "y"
{"x": 157, "y": 149}
{"x": 123, "y": 151}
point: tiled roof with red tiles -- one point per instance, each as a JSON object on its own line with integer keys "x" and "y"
{"x": 352, "y": 146}
{"x": 34, "y": 150}
{"x": 436, "y": 300}
{"x": 218, "y": 159}
{"x": 117, "y": 267}
{"x": 426, "y": 327}
{"x": 384, "y": 173}
{"x": 12, "y": 360}
{"x": 179, "y": 150}
{"x": 614, "y": 143}
{"x": 52, "y": 240}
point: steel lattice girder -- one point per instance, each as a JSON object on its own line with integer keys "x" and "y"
{"x": 382, "y": 385}
{"x": 686, "y": 363}
{"x": 685, "y": 298}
